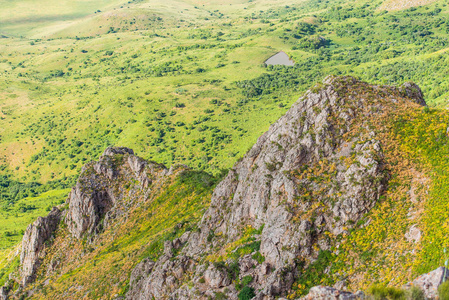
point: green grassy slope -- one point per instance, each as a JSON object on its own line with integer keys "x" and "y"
{"x": 29, "y": 17}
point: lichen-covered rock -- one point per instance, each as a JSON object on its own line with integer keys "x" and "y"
{"x": 268, "y": 186}
{"x": 329, "y": 293}
{"x": 93, "y": 201}
{"x": 86, "y": 209}
{"x": 320, "y": 159}
{"x": 33, "y": 243}
{"x": 142, "y": 270}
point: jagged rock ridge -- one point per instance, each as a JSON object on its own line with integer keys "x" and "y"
{"x": 94, "y": 199}
{"x": 98, "y": 198}
{"x": 311, "y": 176}
{"x": 267, "y": 189}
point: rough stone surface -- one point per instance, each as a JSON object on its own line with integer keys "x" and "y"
{"x": 104, "y": 191}
{"x": 111, "y": 151}
{"x": 430, "y": 282}
{"x": 329, "y": 293}
{"x": 142, "y": 270}
{"x": 33, "y": 243}
{"x": 216, "y": 278}
{"x": 267, "y": 190}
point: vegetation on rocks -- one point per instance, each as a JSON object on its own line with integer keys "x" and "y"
{"x": 350, "y": 190}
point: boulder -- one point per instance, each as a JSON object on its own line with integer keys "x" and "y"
{"x": 413, "y": 91}
{"x": 216, "y": 278}
{"x": 430, "y": 282}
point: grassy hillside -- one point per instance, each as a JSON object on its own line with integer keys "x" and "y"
{"x": 183, "y": 81}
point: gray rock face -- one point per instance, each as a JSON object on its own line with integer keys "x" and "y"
{"x": 159, "y": 279}
{"x": 86, "y": 209}
{"x": 142, "y": 270}
{"x": 33, "y": 243}
{"x": 268, "y": 186}
{"x": 307, "y": 163}
{"x": 93, "y": 201}
{"x": 430, "y": 282}
{"x": 329, "y": 293}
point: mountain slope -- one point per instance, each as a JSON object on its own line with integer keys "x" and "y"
{"x": 176, "y": 80}
{"x": 333, "y": 189}
{"x": 306, "y": 184}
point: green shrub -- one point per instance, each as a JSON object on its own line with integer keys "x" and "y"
{"x": 220, "y": 296}
{"x": 233, "y": 269}
{"x": 379, "y": 292}
{"x": 258, "y": 257}
{"x": 443, "y": 291}
{"x": 415, "y": 293}
{"x": 244, "y": 282}
{"x": 247, "y": 293}
{"x": 247, "y": 280}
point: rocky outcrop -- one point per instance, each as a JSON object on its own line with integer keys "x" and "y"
{"x": 412, "y": 91}
{"x": 94, "y": 201}
{"x": 430, "y": 282}
{"x": 329, "y": 293}
{"x": 104, "y": 191}
{"x": 34, "y": 242}
{"x": 151, "y": 279}
{"x": 312, "y": 175}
